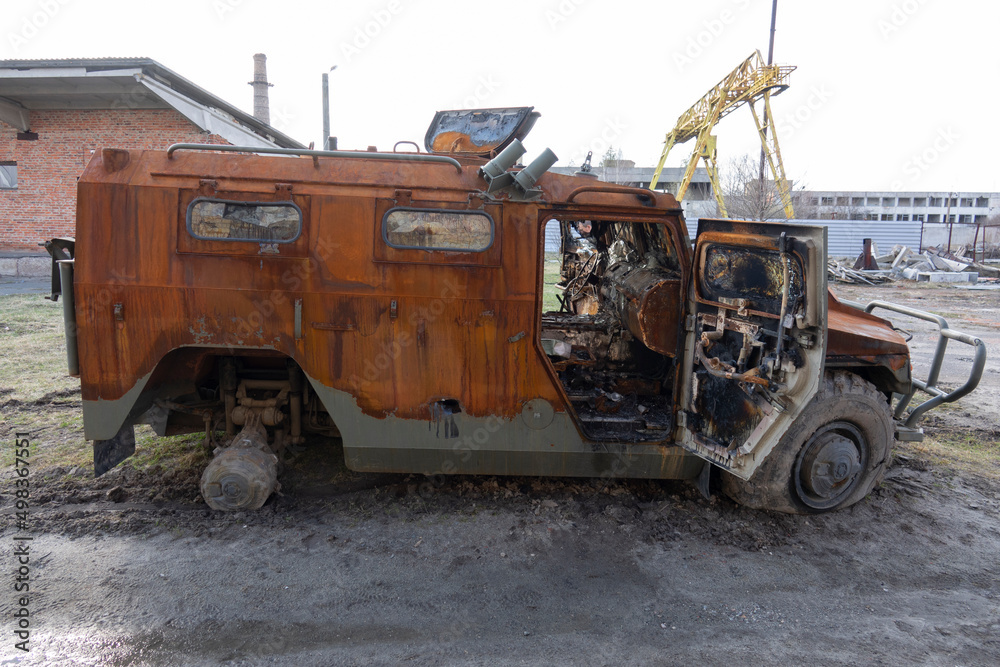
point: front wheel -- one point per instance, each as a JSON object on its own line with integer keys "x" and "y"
{"x": 830, "y": 458}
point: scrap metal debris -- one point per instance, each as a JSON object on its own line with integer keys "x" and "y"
{"x": 902, "y": 263}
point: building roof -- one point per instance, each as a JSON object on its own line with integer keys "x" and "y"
{"x": 131, "y": 83}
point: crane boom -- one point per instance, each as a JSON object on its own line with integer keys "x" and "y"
{"x": 752, "y": 81}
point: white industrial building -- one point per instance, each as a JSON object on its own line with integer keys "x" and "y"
{"x": 933, "y": 207}
{"x": 913, "y": 219}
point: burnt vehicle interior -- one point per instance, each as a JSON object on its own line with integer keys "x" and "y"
{"x": 757, "y": 341}
{"x": 611, "y": 301}
{"x": 745, "y": 347}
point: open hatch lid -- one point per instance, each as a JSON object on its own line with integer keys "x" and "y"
{"x": 478, "y": 132}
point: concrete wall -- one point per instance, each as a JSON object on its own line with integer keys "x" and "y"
{"x": 961, "y": 235}
{"x": 25, "y": 267}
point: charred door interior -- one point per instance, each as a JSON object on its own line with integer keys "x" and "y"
{"x": 611, "y": 304}
{"x": 755, "y": 353}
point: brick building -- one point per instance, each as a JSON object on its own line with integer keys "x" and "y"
{"x": 54, "y": 114}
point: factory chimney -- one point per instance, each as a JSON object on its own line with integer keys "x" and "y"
{"x": 261, "y": 109}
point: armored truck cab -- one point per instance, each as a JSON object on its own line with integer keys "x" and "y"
{"x": 452, "y": 312}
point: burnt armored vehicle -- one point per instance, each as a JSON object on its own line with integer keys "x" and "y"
{"x": 451, "y": 312}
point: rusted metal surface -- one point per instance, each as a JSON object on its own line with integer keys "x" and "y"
{"x": 869, "y": 344}
{"x": 468, "y": 304}
{"x": 865, "y": 260}
{"x": 856, "y": 333}
{"x": 243, "y": 475}
{"x": 421, "y": 356}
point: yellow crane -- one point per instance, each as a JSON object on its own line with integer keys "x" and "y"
{"x": 752, "y": 81}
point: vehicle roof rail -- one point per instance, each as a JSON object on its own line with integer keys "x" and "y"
{"x": 406, "y": 157}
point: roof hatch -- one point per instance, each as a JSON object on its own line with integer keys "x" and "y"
{"x": 478, "y": 131}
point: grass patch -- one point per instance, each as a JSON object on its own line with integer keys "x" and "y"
{"x": 964, "y": 452}
{"x": 32, "y": 350}
{"x": 38, "y": 397}
{"x": 181, "y": 451}
{"x": 550, "y": 276}
{"x": 55, "y": 433}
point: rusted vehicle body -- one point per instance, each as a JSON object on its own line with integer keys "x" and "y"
{"x": 399, "y": 301}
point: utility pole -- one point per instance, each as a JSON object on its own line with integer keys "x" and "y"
{"x": 767, "y": 120}
{"x": 947, "y": 218}
{"x": 326, "y": 110}
{"x": 770, "y": 46}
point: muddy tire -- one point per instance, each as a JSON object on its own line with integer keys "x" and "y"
{"x": 831, "y": 456}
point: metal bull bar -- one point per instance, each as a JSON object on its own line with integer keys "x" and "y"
{"x": 929, "y": 386}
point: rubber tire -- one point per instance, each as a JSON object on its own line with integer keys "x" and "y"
{"x": 842, "y": 397}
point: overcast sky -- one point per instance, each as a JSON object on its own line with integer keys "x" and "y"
{"x": 888, "y": 94}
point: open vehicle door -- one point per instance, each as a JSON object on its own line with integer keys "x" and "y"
{"x": 756, "y": 338}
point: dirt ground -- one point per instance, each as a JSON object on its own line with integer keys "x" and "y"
{"x": 354, "y": 569}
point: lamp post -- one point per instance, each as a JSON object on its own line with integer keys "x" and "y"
{"x": 326, "y": 110}
{"x": 947, "y": 218}
{"x": 770, "y": 61}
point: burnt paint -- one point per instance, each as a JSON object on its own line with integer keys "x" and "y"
{"x": 130, "y": 227}
{"x": 855, "y": 333}
{"x": 128, "y": 252}
{"x": 478, "y": 131}
{"x": 727, "y": 415}
{"x": 756, "y": 275}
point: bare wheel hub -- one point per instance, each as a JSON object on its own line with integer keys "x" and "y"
{"x": 239, "y": 478}
{"x": 830, "y": 464}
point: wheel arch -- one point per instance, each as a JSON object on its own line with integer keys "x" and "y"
{"x": 178, "y": 372}
{"x": 844, "y": 398}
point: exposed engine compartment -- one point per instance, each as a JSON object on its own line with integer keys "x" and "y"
{"x": 619, "y": 282}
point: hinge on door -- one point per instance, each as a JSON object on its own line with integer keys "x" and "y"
{"x": 689, "y": 323}
{"x": 403, "y": 197}
{"x": 283, "y": 190}
{"x": 207, "y": 186}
